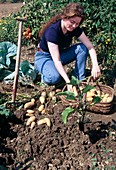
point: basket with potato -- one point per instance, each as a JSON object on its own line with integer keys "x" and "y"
{"x": 103, "y": 92}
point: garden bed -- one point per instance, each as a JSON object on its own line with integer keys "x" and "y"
{"x": 60, "y": 146}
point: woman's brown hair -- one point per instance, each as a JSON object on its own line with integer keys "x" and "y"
{"x": 71, "y": 10}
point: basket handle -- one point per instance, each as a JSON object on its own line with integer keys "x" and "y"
{"x": 90, "y": 79}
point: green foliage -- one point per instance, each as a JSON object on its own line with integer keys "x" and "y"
{"x": 87, "y": 88}
{"x": 8, "y": 30}
{"x": 28, "y": 70}
{"x": 66, "y": 113}
{"x": 4, "y": 111}
{"x": 69, "y": 95}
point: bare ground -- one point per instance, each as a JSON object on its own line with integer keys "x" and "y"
{"x": 9, "y": 8}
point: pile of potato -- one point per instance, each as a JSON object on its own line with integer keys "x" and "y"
{"x": 105, "y": 97}
{"x": 30, "y": 113}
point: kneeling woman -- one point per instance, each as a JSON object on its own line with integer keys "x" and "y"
{"x": 55, "y": 49}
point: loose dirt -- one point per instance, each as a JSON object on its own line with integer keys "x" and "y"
{"x": 9, "y": 8}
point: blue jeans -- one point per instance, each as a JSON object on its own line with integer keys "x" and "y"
{"x": 44, "y": 64}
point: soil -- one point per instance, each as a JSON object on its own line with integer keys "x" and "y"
{"x": 58, "y": 146}
{"x": 9, "y": 8}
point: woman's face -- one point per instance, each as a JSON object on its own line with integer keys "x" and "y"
{"x": 72, "y": 23}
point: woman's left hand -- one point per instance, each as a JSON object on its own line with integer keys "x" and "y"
{"x": 95, "y": 72}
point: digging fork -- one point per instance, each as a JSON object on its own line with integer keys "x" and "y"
{"x": 21, "y": 20}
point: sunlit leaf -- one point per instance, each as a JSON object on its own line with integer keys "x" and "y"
{"x": 96, "y": 99}
{"x": 4, "y": 111}
{"x": 87, "y": 88}
{"x": 66, "y": 113}
{"x": 74, "y": 81}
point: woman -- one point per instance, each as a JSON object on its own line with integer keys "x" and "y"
{"x": 55, "y": 49}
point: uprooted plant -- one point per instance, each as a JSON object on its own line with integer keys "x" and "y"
{"x": 83, "y": 95}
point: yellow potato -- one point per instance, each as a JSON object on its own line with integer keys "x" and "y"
{"x": 58, "y": 90}
{"x": 89, "y": 99}
{"x": 32, "y": 125}
{"x": 27, "y": 114}
{"x": 51, "y": 94}
{"x": 54, "y": 98}
{"x": 42, "y": 99}
{"x": 44, "y": 120}
{"x": 75, "y": 91}
{"x": 90, "y": 94}
{"x": 104, "y": 99}
{"x": 43, "y": 111}
{"x": 30, "y": 111}
{"x": 41, "y": 107}
{"x": 93, "y": 90}
{"x": 44, "y": 93}
{"x": 109, "y": 99}
{"x": 29, "y": 104}
{"x": 30, "y": 120}
{"x": 106, "y": 95}
{"x": 81, "y": 88}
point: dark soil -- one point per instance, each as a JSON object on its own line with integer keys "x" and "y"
{"x": 60, "y": 146}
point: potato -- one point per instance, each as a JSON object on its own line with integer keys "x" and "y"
{"x": 47, "y": 121}
{"x": 44, "y": 120}
{"x": 98, "y": 93}
{"x": 75, "y": 91}
{"x": 109, "y": 99}
{"x": 104, "y": 99}
{"x": 30, "y": 115}
{"x": 30, "y": 120}
{"x": 93, "y": 90}
{"x": 54, "y": 98}
{"x": 43, "y": 111}
{"x": 29, "y": 104}
{"x": 89, "y": 99}
{"x": 44, "y": 93}
{"x": 41, "y": 107}
{"x": 106, "y": 95}
{"x": 42, "y": 99}
{"x": 51, "y": 94}
{"x": 58, "y": 90}
{"x": 32, "y": 125}
{"x": 90, "y": 94}
{"x": 30, "y": 111}
{"x": 81, "y": 88}
{"x": 33, "y": 100}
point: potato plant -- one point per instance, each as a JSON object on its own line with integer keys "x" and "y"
{"x": 87, "y": 95}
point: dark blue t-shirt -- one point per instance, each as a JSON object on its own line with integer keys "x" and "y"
{"x": 55, "y": 35}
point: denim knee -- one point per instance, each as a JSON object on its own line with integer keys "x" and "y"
{"x": 51, "y": 79}
{"x": 81, "y": 48}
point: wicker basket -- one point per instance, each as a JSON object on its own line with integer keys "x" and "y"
{"x": 102, "y": 107}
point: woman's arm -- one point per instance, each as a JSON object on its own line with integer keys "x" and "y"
{"x": 95, "y": 68}
{"x": 54, "y": 51}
